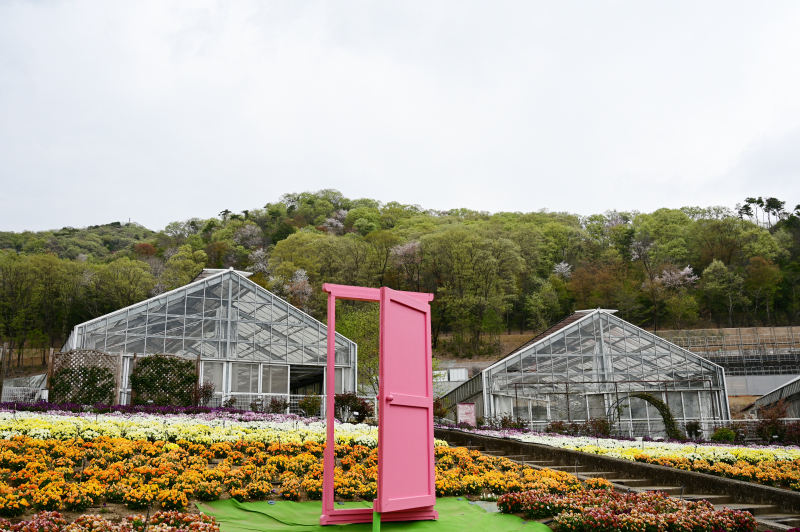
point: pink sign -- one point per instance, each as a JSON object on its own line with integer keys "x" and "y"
{"x": 465, "y": 413}
{"x": 406, "y": 469}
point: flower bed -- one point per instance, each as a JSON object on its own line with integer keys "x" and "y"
{"x": 75, "y": 474}
{"x": 206, "y": 428}
{"x": 161, "y": 521}
{"x": 772, "y": 466}
{"x": 603, "y": 510}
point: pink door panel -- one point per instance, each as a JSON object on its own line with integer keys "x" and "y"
{"x": 405, "y": 426}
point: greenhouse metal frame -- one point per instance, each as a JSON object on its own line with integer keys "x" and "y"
{"x": 251, "y": 344}
{"x": 587, "y": 367}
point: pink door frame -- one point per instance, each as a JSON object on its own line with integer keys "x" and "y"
{"x": 330, "y": 515}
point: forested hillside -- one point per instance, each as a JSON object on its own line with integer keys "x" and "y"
{"x": 490, "y": 272}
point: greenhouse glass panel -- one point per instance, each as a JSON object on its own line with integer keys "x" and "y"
{"x": 221, "y": 316}
{"x": 95, "y": 341}
{"x": 117, "y": 323}
{"x": 174, "y": 326}
{"x": 192, "y": 347}
{"x": 294, "y": 354}
{"x": 154, "y": 345}
{"x": 155, "y": 325}
{"x": 176, "y": 305}
{"x": 157, "y": 307}
{"x": 135, "y": 345}
{"x": 213, "y": 289}
{"x": 173, "y": 346}
{"x": 194, "y": 306}
{"x": 592, "y": 360}
{"x": 115, "y": 343}
{"x": 212, "y": 308}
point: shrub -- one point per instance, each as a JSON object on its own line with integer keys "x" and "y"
{"x": 12, "y": 505}
{"x": 723, "y": 434}
{"x": 693, "y": 429}
{"x": 598, "y": 427}
{"x": 439, "y": 410}
{"x": 205, "y": 393}
{"x": 278, "y": 405}
{"x": 310, "y": 404}
{"x": 348, "y": 403}
{"x": 770, "y": 425}
{"x": 557, "y": 427}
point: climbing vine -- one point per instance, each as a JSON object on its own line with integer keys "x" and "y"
{"x": 670, "y": 425}
{"x": 83, "y": 385}
{"x": 165, "y": 380}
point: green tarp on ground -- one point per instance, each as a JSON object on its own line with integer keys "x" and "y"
{"x": 454, "y": 516}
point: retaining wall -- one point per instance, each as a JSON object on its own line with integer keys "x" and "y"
{"x": 742, "y": 492}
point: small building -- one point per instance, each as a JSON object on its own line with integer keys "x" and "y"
{"x": 789, "y": 392}
{"x": 249, "y": 343}
{"x": 591, "y": 365}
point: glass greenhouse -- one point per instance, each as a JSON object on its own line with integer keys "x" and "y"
{"x": 588, "y": 366}
{"x": 250, "y": 343}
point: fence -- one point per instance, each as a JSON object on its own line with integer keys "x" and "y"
{"x": 744, "y": 351}
{"x": 261, "y": 402}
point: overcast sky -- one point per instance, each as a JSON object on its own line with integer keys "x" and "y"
{"x": 161, "y": 111}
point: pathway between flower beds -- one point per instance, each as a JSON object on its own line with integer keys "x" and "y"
{"x": 774, "y": 508}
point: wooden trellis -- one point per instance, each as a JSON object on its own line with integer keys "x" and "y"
{"x": 84, "y": 376}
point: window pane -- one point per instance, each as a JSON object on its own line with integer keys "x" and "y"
{"x": 275, "y": 379}
{"x": 244, "y": 378}
{"x": 212, "y": 372}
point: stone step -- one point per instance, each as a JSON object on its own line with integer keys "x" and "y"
{"x": 473, "y": 448}
{"x": 569, "y": 468}
{"x": 673, "y": 491}
{"x": 630, "y": 482}
{"x": 713, "y": 499}
{"x": 597, "y": 474}
{"x": 541, "y": 463}
{"x": 755, "y": 509}
{"x": 517, "y": 457}
{"x": 785, "y": 519}
{"x": 494, "y": 453}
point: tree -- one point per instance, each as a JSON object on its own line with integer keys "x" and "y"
{"x": 49, "y": 272}
{"x": 299, "y": 290}
{"x": 724, "y": 288}
{"x": 17, "y": 300}
{"x": 763, "y": 279}
{"x": 543, "y": 307}
{"x": 359, "y": 321}
{"x": 183, "y": 267}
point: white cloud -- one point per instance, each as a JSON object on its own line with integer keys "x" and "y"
{"x": 161, "y": 111}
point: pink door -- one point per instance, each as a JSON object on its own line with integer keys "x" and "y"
{"x": 406, "y": 468}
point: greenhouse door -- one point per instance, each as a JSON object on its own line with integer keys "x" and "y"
{"x": 406, "y": 479}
